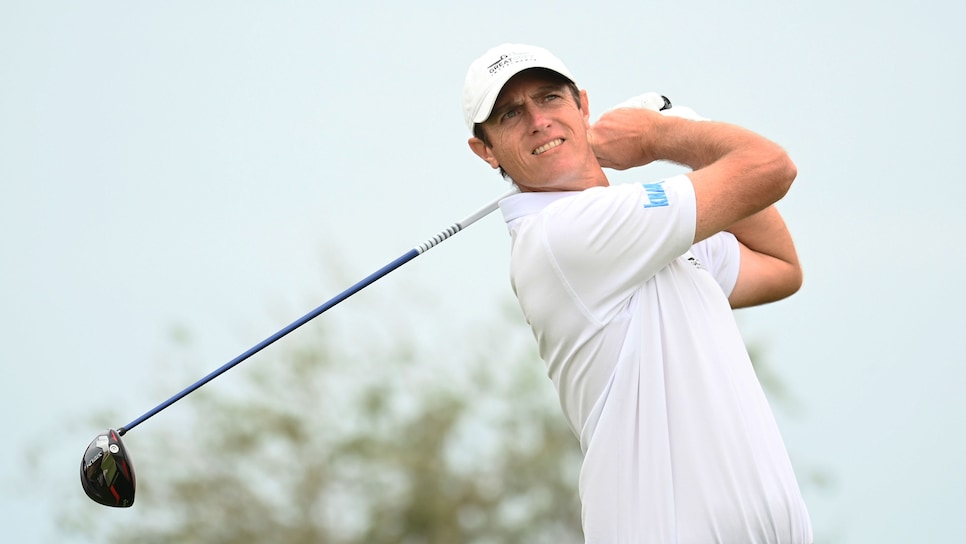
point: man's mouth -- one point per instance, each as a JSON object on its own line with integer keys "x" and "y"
{"x": 547, "y": 146}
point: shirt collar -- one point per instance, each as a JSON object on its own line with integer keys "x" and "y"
{"x": 524, "y": 204}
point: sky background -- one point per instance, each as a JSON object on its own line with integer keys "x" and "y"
{"x": 204, "y": 166}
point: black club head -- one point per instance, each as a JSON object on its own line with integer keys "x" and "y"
{"x": 106, "y": 472}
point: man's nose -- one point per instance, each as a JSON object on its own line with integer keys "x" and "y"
{"x": 539, "y": 119}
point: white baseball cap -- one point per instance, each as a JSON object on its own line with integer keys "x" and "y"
{"x": 489, "y": 73}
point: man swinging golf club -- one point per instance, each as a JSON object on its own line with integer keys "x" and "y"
{"x": 629, "y": 291}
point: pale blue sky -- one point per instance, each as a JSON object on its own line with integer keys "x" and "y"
{"x": 201, "y": 164}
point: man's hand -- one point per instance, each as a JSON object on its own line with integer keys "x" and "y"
{"x": 620, "y": 137}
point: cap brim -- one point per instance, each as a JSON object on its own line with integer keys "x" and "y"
{"x": 489, "y": 99}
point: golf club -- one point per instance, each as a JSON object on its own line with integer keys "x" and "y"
{"x": 106, "y": 471}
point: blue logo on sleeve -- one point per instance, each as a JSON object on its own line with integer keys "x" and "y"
{"x": 656, "y": 197}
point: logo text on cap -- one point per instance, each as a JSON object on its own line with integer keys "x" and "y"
{"x": 510, "y": 59}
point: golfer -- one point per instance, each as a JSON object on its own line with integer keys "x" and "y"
{"x": 629, "y": 291}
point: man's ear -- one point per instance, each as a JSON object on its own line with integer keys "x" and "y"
{"x": 585, "y": 106}
{"x": 483, "y": 151}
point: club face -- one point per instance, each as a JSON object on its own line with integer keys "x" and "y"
{"x": 106, "y": 472}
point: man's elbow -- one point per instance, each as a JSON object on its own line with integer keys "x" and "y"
{"x": 789, "y": 283}
{"x": 784, "y": 172}
{"x": 778, "y": 285}
{"x": 794, "y": 281}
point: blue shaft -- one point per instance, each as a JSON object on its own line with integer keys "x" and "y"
{"x": 405, "y": 258}
{"x": 371, "y": 278}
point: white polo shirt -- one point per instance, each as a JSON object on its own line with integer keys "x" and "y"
{"x": 680, "y": 445}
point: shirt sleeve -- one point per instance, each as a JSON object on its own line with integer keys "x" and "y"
{"x": 609, "y": 240}
{"x": 720, "y": 255}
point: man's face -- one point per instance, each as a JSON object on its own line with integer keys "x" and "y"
{"x": 538, "y": 133}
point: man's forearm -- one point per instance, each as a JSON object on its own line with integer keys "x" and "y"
{"x": 770, "y": 269}
{"x": 765, "y": 232}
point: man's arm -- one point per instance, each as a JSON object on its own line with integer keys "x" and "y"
{"x": 736, "y": 173}
{"x": 769, "y": 269}
{"x": 737, "y": 176}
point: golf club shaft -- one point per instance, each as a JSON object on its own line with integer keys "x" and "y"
{"x": 368, "y": 280}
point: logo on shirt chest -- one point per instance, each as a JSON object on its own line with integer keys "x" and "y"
{"x": 656, "y": 197}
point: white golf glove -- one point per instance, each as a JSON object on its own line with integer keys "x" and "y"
{"x": 657, "y": 102}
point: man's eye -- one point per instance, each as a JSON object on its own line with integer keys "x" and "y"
{"x": 550, "y": 97}
{"x": 510, "y": 114}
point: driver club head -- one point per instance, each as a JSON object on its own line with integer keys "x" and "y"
{"x": 106, "y": 472}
